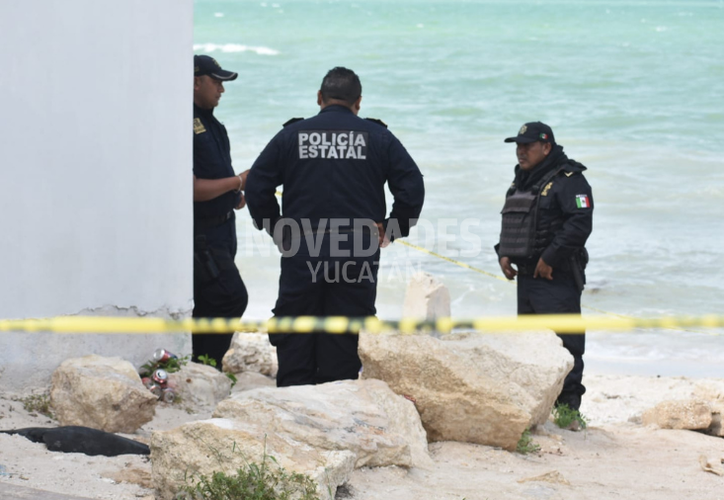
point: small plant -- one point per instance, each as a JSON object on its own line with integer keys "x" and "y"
{"x": 233, "y": 378}
{"x": 265, "y": 481}
{"x": 566, "y": 417}
{"x": 38, "y": 403}
{"x": 207, "y": 360}
{"x": 526, "y": 444}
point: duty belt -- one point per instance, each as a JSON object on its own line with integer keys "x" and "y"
{"x": 209, "y": 222}
{"x": 526, "y": 268}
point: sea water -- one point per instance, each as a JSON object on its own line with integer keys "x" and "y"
{"x": 633, "y": 89}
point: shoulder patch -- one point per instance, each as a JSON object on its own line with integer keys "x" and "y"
{"x": 582, "y": 201}
{"x": 198, "y": 126}
{"x": 377, "y": 121}
{"x": 293, "y": 120}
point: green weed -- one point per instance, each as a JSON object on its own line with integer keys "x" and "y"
{"x": 171, "y": 365}
{"x": 566, "y": 417}
{"x": 526, "y": 444}
{"x": 264, "y": 481}
{"x": 207, "y": 360}
{"x": 38, "y": 403}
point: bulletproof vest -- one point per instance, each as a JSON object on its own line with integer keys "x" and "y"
{"x": 520, "y": 220}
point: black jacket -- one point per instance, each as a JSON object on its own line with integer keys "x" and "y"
{"x": 212, "y": 160}
{"x": 565, "y": 208}
{"x": 335, "y": 165}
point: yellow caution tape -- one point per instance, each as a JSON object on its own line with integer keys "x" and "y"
{"x": 453, "y": 261}
{"x": 561, "y": 323}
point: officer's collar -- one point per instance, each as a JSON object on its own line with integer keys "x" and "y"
{"x": 335, "y": 108}
{"x": 203, "y": 111}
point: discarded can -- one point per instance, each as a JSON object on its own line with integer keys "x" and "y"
{"x": 168, "y": 395}
{"x": 156, "y": 390}
{"x": 147, "y": 382}
{"x": 162, "y": 355}
{"x": 160, "y": 377}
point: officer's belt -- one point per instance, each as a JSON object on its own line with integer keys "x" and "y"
{"x": 368, "y": 230}
{"x": 527, "y": 268}
{"x": 209, "y": 222}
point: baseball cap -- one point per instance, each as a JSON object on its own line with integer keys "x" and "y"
{"x": 207, "y": 65}
{"x": 533, "y": 131}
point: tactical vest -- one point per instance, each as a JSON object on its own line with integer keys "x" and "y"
{"x": 518, "y": 236}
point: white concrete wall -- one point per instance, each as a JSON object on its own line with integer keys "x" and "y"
{"x": 95, "y": 174}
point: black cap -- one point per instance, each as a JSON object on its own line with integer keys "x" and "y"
{"x": 207, "y": 65}
{"x": 533, "y": 131}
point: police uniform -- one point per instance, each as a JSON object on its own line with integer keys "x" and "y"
{"x": 333, "y": 168}
{"x": 218, "y": 288}
{"x": 548, "y": 214}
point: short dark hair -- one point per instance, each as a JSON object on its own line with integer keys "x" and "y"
{"x": 341, "y": 84}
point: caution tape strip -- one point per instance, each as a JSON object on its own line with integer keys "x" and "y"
{"x": 561, "y": 323}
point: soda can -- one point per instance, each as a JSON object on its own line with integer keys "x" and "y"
{"x": 168, "y": 395}
{"x": 162, "y": 355}
{"x": 156, "y": 390}
{"x": 147, "y": 382}
{"x": 160, "y": 377}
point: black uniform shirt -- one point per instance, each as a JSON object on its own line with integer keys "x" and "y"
{"x": 335, "y": 165}
{"x": 212, "y": 160}
{"x": 565, "y": 208}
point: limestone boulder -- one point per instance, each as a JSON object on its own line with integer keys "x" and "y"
{"x": 205, "y": 447}
{"x": 323, "y": 431}
{"x": 426, "y": 298}
{"x": 690, "y": 414}
{"x": 200, "y": 384}
{"x": 251, "y": 352}
{"x": 102, "y": 393}
{"x": 363, "y": 416}
{"x": 476, "y": 388}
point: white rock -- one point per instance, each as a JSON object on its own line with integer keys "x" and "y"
{"x": 690, "y": 414}
{"x": 200, "y": 384}
{"x": 251, "y": 352}
{"x": 426, "y": 298}
{"x": 324, "y": 431}
{"x": 484, "y": 389}
{"x": 102, "y": 393}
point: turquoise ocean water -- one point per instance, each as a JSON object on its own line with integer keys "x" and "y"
{"x": 632, "y": 89}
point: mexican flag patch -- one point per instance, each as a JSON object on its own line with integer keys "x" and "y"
{"x": 582, "y": 201}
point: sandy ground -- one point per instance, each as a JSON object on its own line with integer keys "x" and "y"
{"x": 615, "y": 458}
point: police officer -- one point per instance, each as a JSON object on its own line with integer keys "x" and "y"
{"x": 218, "y": 288}
{"x": 333, "y": 168}
{"x": 547, "y": 218}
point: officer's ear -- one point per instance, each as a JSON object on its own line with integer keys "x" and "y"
{"x": 320, "y": 101}
{"x": 547, "y": 147}
{"x": 356, "y": 105}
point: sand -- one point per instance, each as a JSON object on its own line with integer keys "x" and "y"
{"x": 614, "y": 458}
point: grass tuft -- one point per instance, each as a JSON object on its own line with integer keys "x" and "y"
{"x": 566, "y": 417}
{"x": 38, "y": 403}
{"x": 264, "y": 481}
{"x": 526, "y": 444}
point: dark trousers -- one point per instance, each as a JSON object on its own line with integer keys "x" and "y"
{"x": 558, "y": 296}
{"x": 339, "y": 287}
{"x": 219, "y": 291}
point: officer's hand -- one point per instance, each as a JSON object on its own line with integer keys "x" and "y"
{"x": 383, "y": 239}
{"x": 243, "y": 177}
{"x": 543, "y": 270}
{"x": 242, "y": 202}
{"x": 508, "y": 270}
